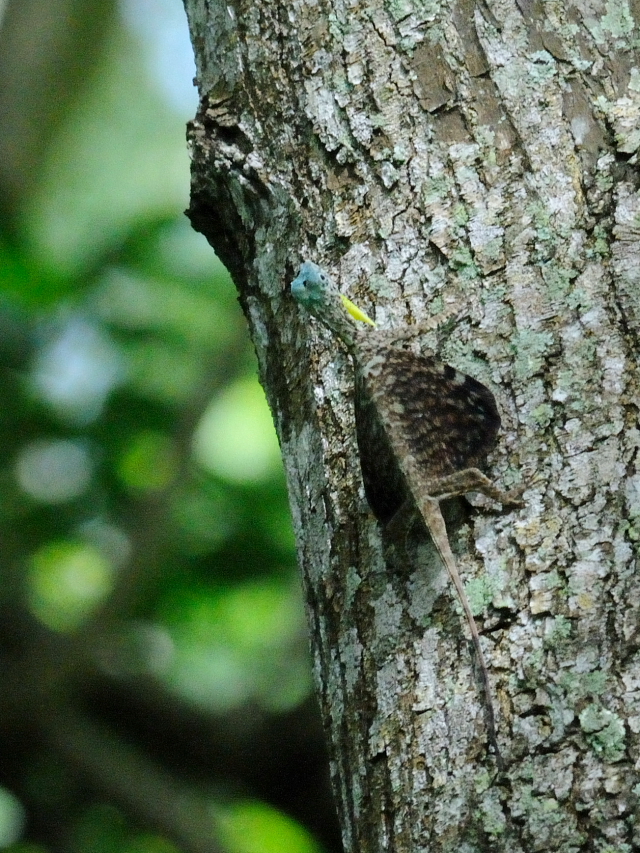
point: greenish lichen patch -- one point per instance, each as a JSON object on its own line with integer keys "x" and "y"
{"x": 600, "y": 243}
{"x": 543, "y": 67}
{"x": 436, "y": 189}
{"x": 542, "y": 415}
{"x": 462, "y": 262}
{"x": 559, "y": 630}
{"x": 459, "y": 214}
{"x": 436, "y": 306}
{"x": 624, "y": 115}
{"x": 492, "y": 817}
{"x": 558, "y": 280}
{"x": 604, "y": 732}
{"x": 480, "y": 593}
{"x": 548, "y": 826}
{"x": 545, "y": 236}
{"x": 617, "y": 20}
{"x": 400, "y": 9}
{"x": 531, "y": 348}
{"x": 633, "y": 534}
{"x": 579, "y": 685}
{"x": 492, "y": 251}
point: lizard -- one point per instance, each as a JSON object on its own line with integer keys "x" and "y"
{"x": 422, "y": 428}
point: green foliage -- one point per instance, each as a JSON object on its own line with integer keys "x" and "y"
{"x": 143, "y": 505}
{"x": 238, "y": 644}
{"x": 11, "y": 817}
{"x": 252, "y": 827}
{"x": 66, "y": 580}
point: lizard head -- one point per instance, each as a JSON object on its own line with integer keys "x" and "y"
{"x": 315, "y": 291}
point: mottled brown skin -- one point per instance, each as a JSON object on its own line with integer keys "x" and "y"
{"x": 423, "y": 427}
{"x": 446, "y": 420}
{"x": 438, "y": 425}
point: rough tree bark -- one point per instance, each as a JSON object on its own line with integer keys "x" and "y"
{"x": 482, "y": 155}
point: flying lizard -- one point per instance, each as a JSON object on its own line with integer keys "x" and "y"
{"x": 422, "y": 429}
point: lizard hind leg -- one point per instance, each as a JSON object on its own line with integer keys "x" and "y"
{"x": 472, "y": 480}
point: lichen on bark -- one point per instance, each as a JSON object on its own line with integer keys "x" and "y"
{"x": 431, "y": 155}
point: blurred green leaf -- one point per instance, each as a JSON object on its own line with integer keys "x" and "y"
{"x": 146, "y": 843}
{"x": 190, "y": 316}
{"x": 205, "y": 517}
{"x": 149, "y": 462}
{"x": 66, "y": 581}
{"x": 247, "y": 642}
{"x": 161, "y": 371}
{"x": 12, "y": 818}
{"x": 25, "y": 281}
{"x": 253, "y": 827}
{"x": 120, "y": 157}
{"x": 100, "y": 828}
{"x": 236, "y": 438}
{"x": 117, "y": 325}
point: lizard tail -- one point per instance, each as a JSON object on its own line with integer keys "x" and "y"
{"x": 438, "y": 531}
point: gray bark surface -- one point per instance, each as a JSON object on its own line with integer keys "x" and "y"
{"x": 436, "y": 156}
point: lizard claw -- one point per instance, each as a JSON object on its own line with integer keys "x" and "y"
{"x": 514, "y": 496}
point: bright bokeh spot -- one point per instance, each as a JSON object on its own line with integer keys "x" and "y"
{"x": 12, "y": 818}
{"x": 236, "y": 438}
{"x": 149, "y": 463}
{"x": 245, "y": 643}
{"x": 54, "y": 470}
{"x": 249, "y": 826}
{"x": 66, "y": 581}
{"x": 110, "y": 540}
{"x": 76, "y": 370}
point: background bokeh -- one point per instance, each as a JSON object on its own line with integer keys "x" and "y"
{"x": 155, "y": 685}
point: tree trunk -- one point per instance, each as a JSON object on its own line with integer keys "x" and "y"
{"x": 429, "y": 156}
